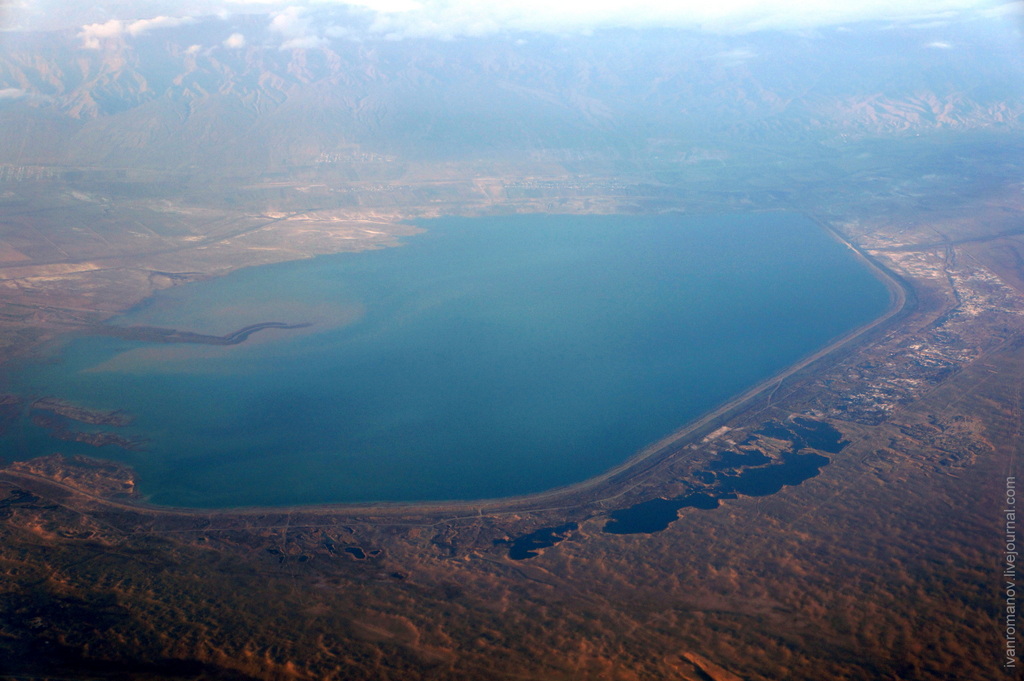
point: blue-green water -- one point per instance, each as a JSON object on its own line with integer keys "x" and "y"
{"x": 486, "y": 357}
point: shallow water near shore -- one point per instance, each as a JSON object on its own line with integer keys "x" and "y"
{"x": 486, "y": 357}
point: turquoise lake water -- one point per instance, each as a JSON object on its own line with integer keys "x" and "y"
{"x": 485, "y": 357}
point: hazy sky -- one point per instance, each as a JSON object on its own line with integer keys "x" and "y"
{"x": 300, "y": 20}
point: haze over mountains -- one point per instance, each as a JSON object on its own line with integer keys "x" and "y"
{"x": 190, "y": 97}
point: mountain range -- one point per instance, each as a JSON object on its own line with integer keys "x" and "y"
{"x": 180, "y": 98}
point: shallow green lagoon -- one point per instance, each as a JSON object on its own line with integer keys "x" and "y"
{"x": 486, "y": 357}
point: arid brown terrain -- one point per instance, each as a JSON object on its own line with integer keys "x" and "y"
{"x": 886, "y": 564}
{"x": 843, "y": 521}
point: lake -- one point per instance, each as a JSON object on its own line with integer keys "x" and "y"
{"x": 485, "y": 357}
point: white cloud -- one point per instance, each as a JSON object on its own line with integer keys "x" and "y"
{"x": 235, "y": 41}
{"x": 398, "y": 18}
{"x": 93, "y": 35}
{"x": 1014, "y": 8}
{"x": 448, "y": 18}
{"x": 940, "y": 45}
{"x": 194, "y": 49}
{"x": 378, "y": 5}
{"x": 740, "y": 55}
{"x": 296, "y": 27}
{"x": 143, "y": 25}
{"x": 292, "y": 22}
{"x": 12, "y": 93}
{"x": 306, "y": 42}
{"x": 287, "y": 19}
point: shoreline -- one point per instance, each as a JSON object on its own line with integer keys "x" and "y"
{"x": 154, "y": 334}
{"x": 617, "y": 479}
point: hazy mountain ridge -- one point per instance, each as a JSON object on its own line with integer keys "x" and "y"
{"x": 163, "y": 100}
